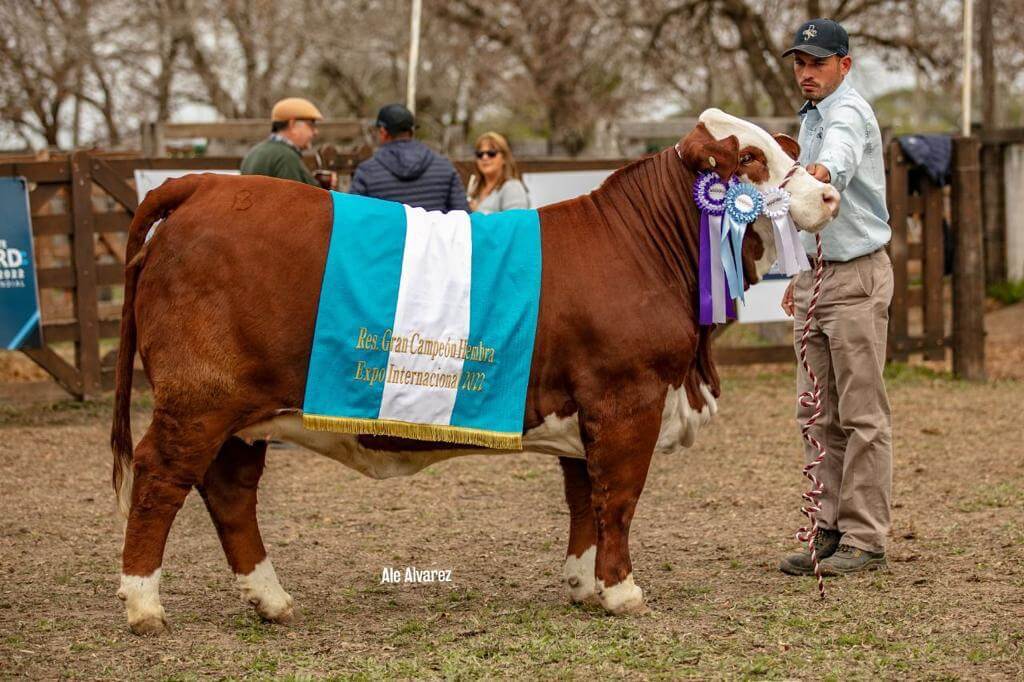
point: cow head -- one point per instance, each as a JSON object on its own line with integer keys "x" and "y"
{"x": 731, "y": 146}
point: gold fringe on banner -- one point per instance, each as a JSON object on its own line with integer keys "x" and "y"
{"x": 460, "y": 435}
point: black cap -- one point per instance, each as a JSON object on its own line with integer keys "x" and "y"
{"x": 395, "y": 119}
{"x": 821, "y": 38}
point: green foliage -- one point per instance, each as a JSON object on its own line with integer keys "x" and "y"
{"x": 1008, "y": 292}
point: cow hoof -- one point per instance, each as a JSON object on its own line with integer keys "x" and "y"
{"x": 277, "y": 610}
{"x": 578, "y": 576}
{"x": 261, "y": 589}
{"x": 149, "y": 626}
{"x": 622, "y": 598}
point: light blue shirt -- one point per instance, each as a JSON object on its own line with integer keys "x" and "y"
{"x": 842, "y": 135}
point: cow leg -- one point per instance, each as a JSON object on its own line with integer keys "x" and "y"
{"x": 229, "y": 490}
{"x": 619, "y": 449}
{"x": 168, "y": 462}
{"x": 578, "y": 572}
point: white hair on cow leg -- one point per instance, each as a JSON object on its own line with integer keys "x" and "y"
{"x": 621, "y": 598}
{"x": 262, "y": 589}
{"x": 141, "y": 597}
{"x": 578, "y": 575}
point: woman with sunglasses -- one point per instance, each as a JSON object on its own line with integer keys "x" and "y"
{"x": 495, "y": 184}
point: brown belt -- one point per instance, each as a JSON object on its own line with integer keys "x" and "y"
{"x": 814, "y": 261}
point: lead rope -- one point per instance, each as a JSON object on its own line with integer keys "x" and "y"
{"x": 811, "y": 399}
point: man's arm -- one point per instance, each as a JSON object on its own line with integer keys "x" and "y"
{"x": 843, "y": 145}
{"x": 358, "y": 185}
{"x": 457, "y": 193}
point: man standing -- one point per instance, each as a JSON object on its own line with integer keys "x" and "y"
{"x": 841, "y": 144}
{"x": 292, "y": 129}
{"x": 406, "y": 170}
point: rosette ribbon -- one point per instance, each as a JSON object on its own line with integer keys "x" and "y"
{"x": 715, "y": 305}
{"x": 791, "y": 256}
{"x": 743, "y": 203}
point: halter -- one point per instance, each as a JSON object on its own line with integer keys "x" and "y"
{"x": 782, "y": 185}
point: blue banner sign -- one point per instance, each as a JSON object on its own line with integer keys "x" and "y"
{"x": 19, "y": 299}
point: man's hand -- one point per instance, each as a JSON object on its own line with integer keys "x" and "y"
{"x": 787, "y": 299}
{"x": 819, "y": 172}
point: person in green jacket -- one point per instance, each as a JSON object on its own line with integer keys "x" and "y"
{"x": 292, "y": 129}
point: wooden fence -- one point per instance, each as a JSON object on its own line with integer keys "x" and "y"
{"x": 82, "y": 205}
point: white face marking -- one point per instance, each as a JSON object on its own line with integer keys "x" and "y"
{"x": 262, "y": 589}
{"x": 623, "y": 597}
{"x": 141, "y": 597}
{"x": 578, "y": 575}
{"x": 807, "y": 207}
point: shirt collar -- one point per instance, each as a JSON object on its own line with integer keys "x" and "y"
{"x": 274, "y": 137}
{"x": 826, "y": 103}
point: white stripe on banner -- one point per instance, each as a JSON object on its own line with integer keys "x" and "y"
{"x": 433, "y": 306}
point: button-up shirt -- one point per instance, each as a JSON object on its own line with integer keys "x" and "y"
{"x": 841, "y": 134}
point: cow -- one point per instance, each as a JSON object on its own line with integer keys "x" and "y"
{"x": 220, "y": 302}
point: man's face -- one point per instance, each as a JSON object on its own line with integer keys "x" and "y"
{"x": 818, "y": 77}
{"x": 301, "y": 132}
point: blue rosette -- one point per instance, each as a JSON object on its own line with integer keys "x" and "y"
{"x": 743, "y": 202}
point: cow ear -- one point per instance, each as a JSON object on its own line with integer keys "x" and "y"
{"x": 700, "y": 151}
{"x": 789, "y": 145}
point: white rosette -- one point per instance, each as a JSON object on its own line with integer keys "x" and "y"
{"x": 792, "y": 258}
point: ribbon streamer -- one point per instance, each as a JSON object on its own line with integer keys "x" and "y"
{"x": 743, "y": 203}
{"x": 715, "y": 306}
{"x": 791, "y": 256}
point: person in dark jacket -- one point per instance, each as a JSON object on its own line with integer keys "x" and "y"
{"x": 292, "y": 129}
{"x": 406, "y": 170}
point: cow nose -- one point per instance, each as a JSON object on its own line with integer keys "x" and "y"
{"x": 831, "y": 198}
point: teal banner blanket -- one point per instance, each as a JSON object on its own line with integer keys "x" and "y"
{"x": 426, "y": 324}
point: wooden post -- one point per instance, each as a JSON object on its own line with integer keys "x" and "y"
{"x": 968, "y": 273}
{"x": 993, "y": 196}
{"x": 896, "y": 198}
{"x": 931, "y": 271}
{"x": 87, "y": 347}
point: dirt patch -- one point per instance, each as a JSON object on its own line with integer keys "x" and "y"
{"x": 707, "y": 535}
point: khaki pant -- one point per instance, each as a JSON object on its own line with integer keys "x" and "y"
{"x": 846, "y": 350}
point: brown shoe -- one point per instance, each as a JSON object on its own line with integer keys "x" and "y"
{"x": 849, "y": 559}
{"x": 826, "y": 542}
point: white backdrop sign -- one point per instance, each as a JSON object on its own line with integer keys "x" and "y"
{"x": 147, "y": 179}
{"x": 762, "y": 300}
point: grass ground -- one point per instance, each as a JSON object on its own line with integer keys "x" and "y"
{"x": 705, "y": 542}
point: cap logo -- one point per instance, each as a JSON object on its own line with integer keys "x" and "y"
{"x": 810, "y": 32}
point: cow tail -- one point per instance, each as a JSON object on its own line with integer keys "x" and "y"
{"x": 157, "y": 205}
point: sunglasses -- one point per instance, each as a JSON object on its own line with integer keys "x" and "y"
{"x": 489, "y": 153}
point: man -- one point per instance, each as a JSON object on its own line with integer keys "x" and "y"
{"x": 292, "y": 129}
{"x": 841, "y": 144}
{"x": 406, "y": 170}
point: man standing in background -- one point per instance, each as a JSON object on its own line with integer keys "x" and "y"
{"x": 406, "y": 170}
{"x": 841, "y": 144}
{"x": 292, "y": 129}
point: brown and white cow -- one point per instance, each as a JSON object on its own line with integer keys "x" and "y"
{"x": 221, "y": 301}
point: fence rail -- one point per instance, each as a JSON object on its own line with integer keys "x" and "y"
{"x": 82, "y": 206}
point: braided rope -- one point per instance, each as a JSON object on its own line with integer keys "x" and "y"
{"x": 812, "y": 399}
